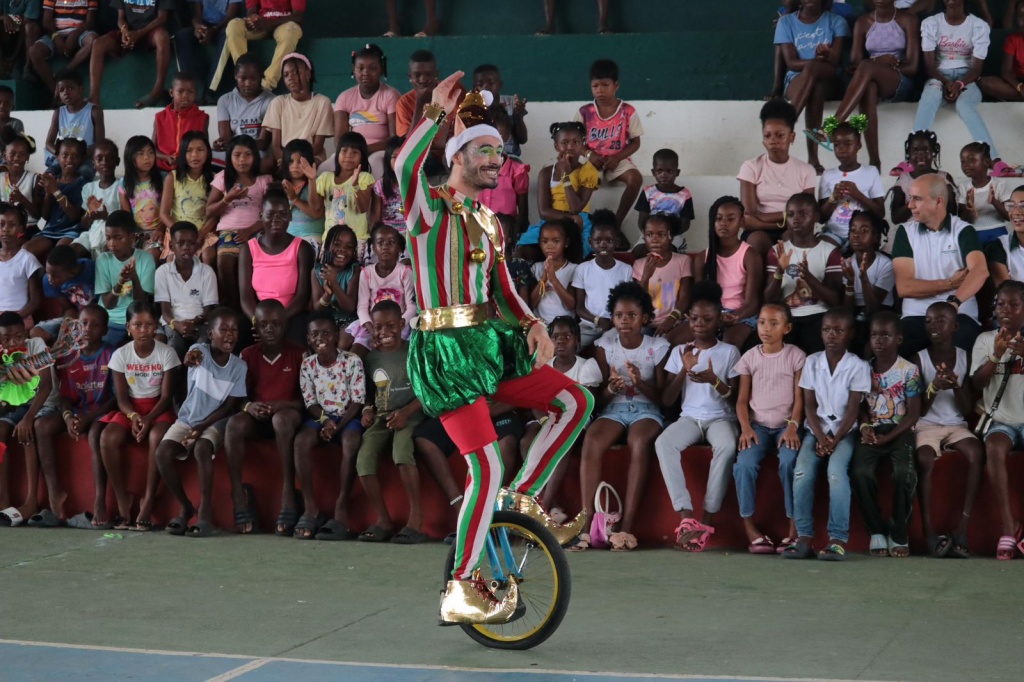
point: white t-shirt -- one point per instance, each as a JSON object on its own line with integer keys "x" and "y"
{"x": 598, "y": 282}
{"x": 955, "y": 46}
{"x": 868, "y": 181}
{"x": 645, "y": 357}
{"x": 701, "y": 401}
{"x": 988, "y": 216}
{"x": 14, "y": 276}
{"x": 944, "y": 410}
{"x": 550, "y": 305}
{"x": 27, "y": 185}
{"x": 187, "y": 297}
{"x": 95, "y": 239}
{"x": 585, "y": 372}
{"x": 880, "y": 274}
{"x": 145, "y": 376}
{"x": 832, "y": 389}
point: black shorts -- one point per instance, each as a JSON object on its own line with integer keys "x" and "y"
{"x": 507, "y": 424}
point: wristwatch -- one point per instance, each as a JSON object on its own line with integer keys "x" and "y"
{"x": 956, "y": 302}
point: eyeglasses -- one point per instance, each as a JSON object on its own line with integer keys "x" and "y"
{"x": 1012, "y": 206}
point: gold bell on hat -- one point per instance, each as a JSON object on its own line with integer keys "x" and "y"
{"x": 478, "y": 256}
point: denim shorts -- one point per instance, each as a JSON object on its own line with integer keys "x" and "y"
{"x": 903, "y": 91}
{"x": 19, "y": 412}
{"x": 843, "y": 242}
{"x": 749, "y": 321}
{"x": 48, "y": 41}
{"x": 629, "y": 413}
{"x": 1014, "y": 433}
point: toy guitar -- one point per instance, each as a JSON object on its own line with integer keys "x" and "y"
{"x": 70, "y": 340}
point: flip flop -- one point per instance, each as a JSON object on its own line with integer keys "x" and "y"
{"x": 939, "y": 546}
{"x": 11, "y": 517}
{"x": 46, "y": 519}
{"x": 832, "y": 552}
{"x": 786, "y": 542}
{"x": 307, "y": 527}
{"x": 177, "y": 526}
{"x": 409, "y": 536}
{"x": 333, "y": 531}
{"x": 818, "y": 135}
{"x": 202, "y": 529}
{"x": 958, "y": 547}
{"x": 892, "y": 545}
{"x": 798, "y": 550}
{"x": 82, "y": 521}
{"x": 141, "y": 527}
{"x": 762, "y": 545}
{"x": 375, "y": 534}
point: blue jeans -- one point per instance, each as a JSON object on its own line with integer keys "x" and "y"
{"x": 192, "y": 57}
{"x": 748, "y": 464}
{"x": 806, "y": 472}
{"x": 966, "y": 108}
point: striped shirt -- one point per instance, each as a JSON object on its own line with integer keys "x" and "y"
{"x": 70, "y": 14}
{"x": 441, "y": 242}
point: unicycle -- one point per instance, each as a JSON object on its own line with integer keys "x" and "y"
{"x": 518, "y": 547}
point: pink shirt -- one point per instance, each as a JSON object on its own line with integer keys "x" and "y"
{"x": 513, "y": 181}
{"x": 397, "y": 287}
{"x": 772, "y": 383}
{"x": 275, "y": 276}
{"x": 776, "y": 183}
{"x": 244, "y": 212}
{"x": 369, "y": 117}
{"x": 732, "y": 277}
{"x": 607, "y": 136}
{"x": 664, "y": 283}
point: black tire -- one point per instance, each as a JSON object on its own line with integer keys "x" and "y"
{"x": 520, "y": 634}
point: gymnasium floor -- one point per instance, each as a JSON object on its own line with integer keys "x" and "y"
{"x": 75, "y": 605}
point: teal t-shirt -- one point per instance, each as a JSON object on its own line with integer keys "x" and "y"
{"x": 108, "y": 269}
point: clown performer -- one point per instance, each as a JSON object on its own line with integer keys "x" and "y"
{"x": 459, "y": 355}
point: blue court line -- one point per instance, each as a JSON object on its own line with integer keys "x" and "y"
{"x": 22, "y": 661}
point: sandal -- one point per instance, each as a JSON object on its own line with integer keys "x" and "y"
{"x": 248, "y": 515}
{"x": 622, "y": 542}
{"x": 818, "y": 135}
{"x": 141, "y": 527}
{"x": 786, "y": 542}
{"x": 879, "y": 546}
{"x": 904, "y": 167}
{"x": 762, "y": 545}
{"x": 334, "y": 531}
{"x": 409, "y": 536}
{"x": 307, "y": 527}
{"x": 581, "y": 543}
{"x": 833, "y": 551}
{"x": 202, "y": 529}
{"x": 897, "y": 550}
{"x": 177, "y": 526}
{"x": 701, "y": 534}
{"x": 1007, "y": 548}
{"x": 958, "y": 547}
{"x": 375, "y": 533}
{"x": 798, "y": 550}
{"x": 939, "y": 546}
{"x": 1001, "y": 169}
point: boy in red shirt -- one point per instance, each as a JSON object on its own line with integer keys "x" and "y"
{"x": 177, "y": 118}
{"x": 613, "y": 133}
{"x": 275, "y": 411}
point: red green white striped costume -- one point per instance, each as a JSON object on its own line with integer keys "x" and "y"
{"x": 453, "y": 371}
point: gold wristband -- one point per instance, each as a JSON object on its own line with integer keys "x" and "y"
{"x": 132, "y": 415}
{"x": 245, "y": 408}
{"x": 322, "y": 418}
{"x": 435, "y": 112}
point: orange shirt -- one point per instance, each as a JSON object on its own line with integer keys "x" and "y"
{"x": 404, "y": 111}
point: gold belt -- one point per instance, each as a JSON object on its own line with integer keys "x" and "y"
{"x": 453, "y": 317}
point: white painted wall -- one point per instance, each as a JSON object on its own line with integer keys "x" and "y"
{"x": 711, "y": 138}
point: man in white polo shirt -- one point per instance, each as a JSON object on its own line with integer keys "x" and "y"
{"x": 936, "y": 257}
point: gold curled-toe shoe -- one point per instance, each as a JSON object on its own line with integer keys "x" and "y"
{"x": 470, "y": 601}
{"x": 510, "y": 500}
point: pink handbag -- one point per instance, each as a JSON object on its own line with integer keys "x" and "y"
{"x": 604, "y": 521}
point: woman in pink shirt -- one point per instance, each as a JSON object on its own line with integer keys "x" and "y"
{"x": 368, "y": 107}
{"x": 277, "y": 265}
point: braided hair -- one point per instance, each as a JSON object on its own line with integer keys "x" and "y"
{"x": 371, "y": 51}
{"x": 714, "y": 243}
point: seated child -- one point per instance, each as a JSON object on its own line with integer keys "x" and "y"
{"x": 334, "y": 390}
{"x": 664, "y": 196}
{"x": 704, "y": 373}
{"x": 868, "y": 274}
{"x": 804, "y": 272}
{"x": 387, "y": 205}
{"x": 186, "y": 190}
{"x": 389, "y": 418}
{"x": 298, "y": 180}
{"x": 137, "y": 22}
{"x": 62, "y": 200}
{"x": 181, "y": 116}
{"x": 69, "y": 281}
{"x": 143, "y": 375}
{"x": 275, "y": 411}
{"x": 563, "y": 189}
{"x": 633, "y": 372}
{"x": 890, "y": 414}
{"x": 336, "y": 276}
{"x": 834, "y": 382}
{"x": 241, "y": 111}
{"x": 770, "y": 407}
{"x": 592, "y": 281}
{"x": 981, "y": 197}
{"x": 488, "y": 77}
{"x": 387, "y": 279}
{"x": 6, "y": 107}
{"x": 943, "y": 426}
{"x": 667, "y": 276}
{"x": 613, "y": 133}
{"x": 139, "y": 193}
{"x": 551, "y": 296}
{"x": 565, "y": 335}
{"x": 216, "y": 385}
{"x": 186, "y": 291}
{"x": 998, "y": 362}
{"x": 18, "y": 420}
{"x": 124, "y": 274}
{"x": 75, "y": 118}
{"x": 86, "y": 394}
{"x": 18, "y": 185}
{"x": 849, "y": 188}
{"x": 346, "y": 194}
{"x": 99, "y": 198}
{"x": 21, "y": 288}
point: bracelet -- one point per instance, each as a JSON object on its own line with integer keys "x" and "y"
{"x": 132, "y": 415}
{"x": 322, "y": 418}
{"x": 993, "y": 359}
{"x": 245, "y": 408}
{"x": 962, "y": 85}
{"x": 58, "y": 195}
{"x": 790, "y": 422}
{"x": 931, "y": 390}
{"x": 718, "y": 382}
{"x": 728, "y": 391}
{"x": 171, "y": 325}
{"x": 675, "y": 314}
{"x": 865, "y": 426}
{"x": 597, "y": 320}
{"x": 527, "y": 323}
{"x": 778, "y": 274}
{"x": 367, "y": 407}
{"x": 435, "y": 112}
{"x": 66, "y": 413}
